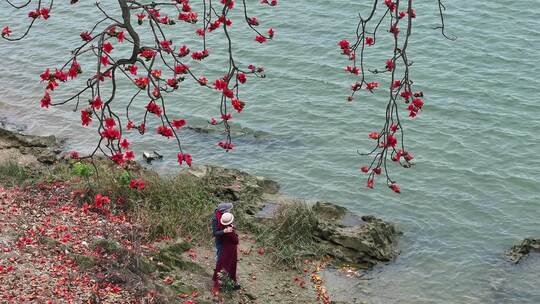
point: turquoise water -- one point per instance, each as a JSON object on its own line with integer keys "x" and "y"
{"x": 474, "y": 190}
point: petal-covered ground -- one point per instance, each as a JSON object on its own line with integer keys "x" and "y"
{"x": 46, "y": 240}
{"x": 55, "y": 249}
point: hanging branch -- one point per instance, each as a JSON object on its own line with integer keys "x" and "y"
{"x": 390, "y": 142}
{"x": 155, "y": 70}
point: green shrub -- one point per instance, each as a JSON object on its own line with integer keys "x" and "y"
{"x": 82, "y": 169}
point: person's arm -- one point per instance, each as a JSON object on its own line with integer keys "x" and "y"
{"x": 215, "y": 226}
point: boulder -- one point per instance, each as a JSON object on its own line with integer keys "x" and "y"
{"x": 363, "y": 241}
{"x": 521, "y": 250}
{"x": 232, "y": 184}
{"x": 28, "y": 149}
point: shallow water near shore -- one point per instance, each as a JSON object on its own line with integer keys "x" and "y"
{"x": 474, "y": 189}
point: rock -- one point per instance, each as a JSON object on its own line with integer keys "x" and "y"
{"x": 149, "y": 157}
{"x": 363, "y": 241}
{"x": 521, "y": 250}
{"x": 28, "y": 149}
{"x": 233, "y": 184}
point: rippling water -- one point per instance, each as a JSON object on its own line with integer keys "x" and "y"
{"x": 474, "y": 190}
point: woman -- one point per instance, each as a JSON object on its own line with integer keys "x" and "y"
{"x": 228, "y": 255}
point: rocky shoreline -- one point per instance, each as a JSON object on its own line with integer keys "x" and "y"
{"x": 342, "y": 238}
{"x": 347, "y": 237}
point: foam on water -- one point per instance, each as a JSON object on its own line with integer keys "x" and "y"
{"x": 474, "y": 190}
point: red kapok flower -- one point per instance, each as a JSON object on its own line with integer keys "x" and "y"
{"x": 238, "y": 105}
{"x": 241, "y": 77}
{"x": 271, "y": 33}
{"x": 178, "y": 123}
{"x": 364, "y": 169}
{"x": 44, "y": 12}
{"x": 374, "y": 135}
{"x": 96, "y": 103}
{"x": 142, "y": 82}
{"x": 85, "y": 36}
{"x": 260, "y": 39}
{"x": 104, "y": 60}
{"x": 395, "y": 188}
{"x": 220, "y": 84}
{"x": 203, "y": 80}
{"x": 107, "y": 47}
{"x": 100, "y": 200}
{"x": 124, "y": 144}
{"x": 166, "y": 45}
{"x": 6, "y": 31}
{"x": 417, "y": 102}
{"x": 372, "y": 85}
{"x": 110, "y": 122}
{"x": 46, "y": 100}
{"x": 133, "y": 69}
{"x": 111, "y": 133}
{"x": 147, "y": 54}
{"x": 137, "y": 184}
{"x": 370, "y": 183}
{"x": 152, "y": 107}
{"x": 86, "y": 117}
{"x": 253, "y": 21}
{"x": 120, "y": 36}
{"x": 187, "y": 159}
{"x": 389, "y": 65}
{"x": 226, "y": 145}
{"x": 165, "y": 131}
{"x": 391, "y": 141}
{"x": 184, "y": 51}
{"x": 370, "y": 41}
{"x": 199, "y": 55}
{"x": 130, "y": 155}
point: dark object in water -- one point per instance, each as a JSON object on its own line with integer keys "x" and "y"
{"x": 149, "y": 157}
{"x": 519, "y": 251}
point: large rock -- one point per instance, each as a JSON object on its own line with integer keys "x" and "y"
{"x": 521, "y": 250}
{"x": 363, "y": 241}
{"x": 28, "y": 149}
{"x": 232, "y": 184}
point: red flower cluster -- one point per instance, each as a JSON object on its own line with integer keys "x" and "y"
{"x": 200, "y": 55}
{"x": 137, "y": 184}
{"x": 165, "y": 131}
{"x": 226, "y": 145}
{"x": 179, "y": 123}
{"x": 43, "y": 12}
{"x": 142, "y": 82}
{"x": 183, "y": 51}
{"x": 238, "y": 105}
{"x": 153, "y": 108}
{"x": 147, "y": 54}
{"x": 6, "y": 31}
{"x": 184, "y": 157}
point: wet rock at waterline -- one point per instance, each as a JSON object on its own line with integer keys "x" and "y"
{"x": 521, "y": 250}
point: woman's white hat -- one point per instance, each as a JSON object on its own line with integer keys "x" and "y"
{"x": 227, "y": 218}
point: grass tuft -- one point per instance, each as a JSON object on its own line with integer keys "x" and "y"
{"x": 290, "y": 234}
{"x": 12, "y": 174}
